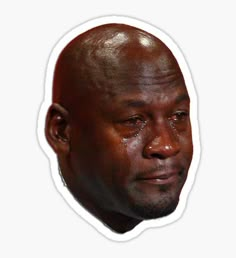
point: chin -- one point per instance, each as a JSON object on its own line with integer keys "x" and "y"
{"x": 155, "y": 210}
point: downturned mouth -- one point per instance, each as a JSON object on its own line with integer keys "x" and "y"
{"x": 161, "y": 177}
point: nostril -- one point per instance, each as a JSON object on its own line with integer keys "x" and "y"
{"x": 161, "y": 150}
{"x": 158, "y": 156}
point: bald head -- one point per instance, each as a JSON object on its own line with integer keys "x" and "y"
{"x": 105, "y": 57}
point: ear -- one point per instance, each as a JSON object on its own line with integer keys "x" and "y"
{"x": 57, "y": 129}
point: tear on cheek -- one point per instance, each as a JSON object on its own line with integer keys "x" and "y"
{"x": 134, "y": 145}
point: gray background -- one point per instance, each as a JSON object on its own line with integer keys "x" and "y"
{"x": 34, "y": 219}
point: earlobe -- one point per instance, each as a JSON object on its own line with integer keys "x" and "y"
{"x": 57, "y": 129}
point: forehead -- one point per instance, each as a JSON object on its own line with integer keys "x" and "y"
{"x": 157, "y": 75}
{"x": 135, "y": 73}
{"x": 143, "y": 95}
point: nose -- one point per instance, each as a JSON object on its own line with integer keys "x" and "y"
{"x": 163, "y": 145}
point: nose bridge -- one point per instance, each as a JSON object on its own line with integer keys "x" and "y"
{"x": 164, "y": 142}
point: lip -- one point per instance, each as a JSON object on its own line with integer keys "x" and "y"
{"x": 160, "y": 178}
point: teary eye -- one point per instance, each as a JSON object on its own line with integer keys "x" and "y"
{"x": 130, "y": 126}
{"x": 179, "y": 116}
{"x": 180, "y": 120}
{"x": 134, "y": 122}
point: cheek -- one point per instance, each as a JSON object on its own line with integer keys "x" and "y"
{"x": 187, "y": 146}
{"x": 133, "y": 146}
{"x": 134, "y": 150}
{"x": 101, "y": 149}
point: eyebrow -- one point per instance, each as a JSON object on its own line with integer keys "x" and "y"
{"x": 134, "y": 103}
{"x": 181, "y": 98}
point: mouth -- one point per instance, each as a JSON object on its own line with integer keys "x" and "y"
{"x": 161, "y": 177}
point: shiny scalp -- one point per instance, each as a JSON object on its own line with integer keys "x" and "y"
{"x": 96, "y": 54}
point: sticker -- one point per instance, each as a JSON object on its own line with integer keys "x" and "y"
{"x": 119, "y": 125}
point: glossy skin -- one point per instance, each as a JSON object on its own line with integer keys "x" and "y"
{"x": 124, "y": 140}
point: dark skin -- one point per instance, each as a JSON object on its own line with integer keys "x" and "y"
{"x": 120, "y": 125}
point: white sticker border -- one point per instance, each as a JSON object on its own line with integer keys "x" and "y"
{"x": 169, "y": 42}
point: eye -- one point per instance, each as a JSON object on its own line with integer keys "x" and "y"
{"x": 179, "y": 116}
{"x": 180, "y": 121}
{"x": 131, "y": 126}
{"x": 134, "y": 122}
